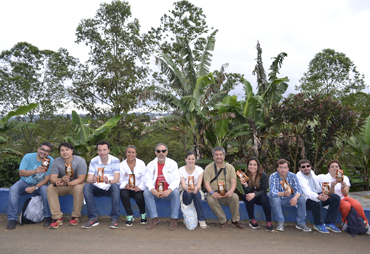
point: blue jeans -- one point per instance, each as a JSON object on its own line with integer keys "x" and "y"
{"x": 17, "y": 190}
{"x": 278, "y": 202}
{"x": 197, "y": 199}
{"x": 91, "y": 191}
{"x": 316, "y": 209}
{"x": 174, "y": 198}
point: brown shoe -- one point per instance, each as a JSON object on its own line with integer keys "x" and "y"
{"x": 173, "y": 224}
{"x": 153, "y": 222}
{"x": 224, "y": 225}
{"x": 238, "y": 224}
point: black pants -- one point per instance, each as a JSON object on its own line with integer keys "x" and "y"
{"x": 316, "y": 209}
{"x": 262, "y": 200}
{"x": 139, "y": 198}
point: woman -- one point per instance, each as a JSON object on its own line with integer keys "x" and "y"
{"x": 190, "y": 169}
{"x": 255, "y": 193}
{"x": 132, "y": 165}
{"x": 342, "y": 190}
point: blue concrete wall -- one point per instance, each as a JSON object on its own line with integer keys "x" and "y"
{"x": 103, "y": 206}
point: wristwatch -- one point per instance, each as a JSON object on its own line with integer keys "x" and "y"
{"x": 36, "y": 187}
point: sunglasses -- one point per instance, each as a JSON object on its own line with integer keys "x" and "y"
{"x": 159, "y": 151}
{"x": 308, "y": 166}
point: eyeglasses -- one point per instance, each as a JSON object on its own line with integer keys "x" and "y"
{"x": 306, "y": 166}
{"x": 43, "y": 150}
{"x": 159, "y": 151}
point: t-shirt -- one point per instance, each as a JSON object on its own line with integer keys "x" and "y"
{"x": 313, "y": 185}
{"x": 109, "y": 169}
{"x": 161, "y": 178}
{"x": 338, "y": 187}
{"x": 78, "y": 165}
{"x": 198, "y": 170}
{"x": 30, "y": 162}
{"x": 209, "y": 174}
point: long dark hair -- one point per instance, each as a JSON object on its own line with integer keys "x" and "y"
{"x": 254, "y": 182}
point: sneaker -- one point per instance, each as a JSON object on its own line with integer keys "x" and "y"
{"x": 253, "y": 224}
{"x": 332, "y": 227}
{"x": 11, "y": 224}
{"x": 202, "y": 224}
{"x": 74, "y": 221}
{"x": 368, "y": 229}
{"x": 143, "y": 219}
{"x": 303, "y": 227}
{"x": 280, "y": 226}
{"x": 47, "y": 221}
{"x": 321, "y": 228}
{"x": 344, "y": 227}
{"x": 269, "y": 227}
{"x": 56, "y": 223}
{"x": 90, "y": 223}
{"x": 114, "y": 224}
{"x": 129, "y": 220}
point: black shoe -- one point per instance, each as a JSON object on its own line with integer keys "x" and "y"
{"x": 47, "y": 221}
{"x": 11, "y": 224}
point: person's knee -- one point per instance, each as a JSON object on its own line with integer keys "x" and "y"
{"x": 301, "y": 201}
{"x": 275, "y": 201}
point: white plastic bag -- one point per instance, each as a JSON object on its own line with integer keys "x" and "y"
{"x": 190, "y": 215}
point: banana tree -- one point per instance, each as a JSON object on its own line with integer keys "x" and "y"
{"x": 360, "y": 145}
{"x": 86, "y": 138}
{"x": 6, "y": 125}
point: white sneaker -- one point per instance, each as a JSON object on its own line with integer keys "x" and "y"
{"x": 202, "y": 224}
{"x": 368, "y": 229}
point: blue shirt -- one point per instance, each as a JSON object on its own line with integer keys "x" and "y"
{"x": 276, "y": 187}
{"x": 30, "y": 162}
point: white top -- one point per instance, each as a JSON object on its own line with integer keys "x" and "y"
{"x": 139, "y": 171}
{"x": 198, "y": 170}
{"x": 170, "y": 173}
{"x": 338, "y": 187}
{"x": 305, "y": 186}
{"x": 110, "y": 169}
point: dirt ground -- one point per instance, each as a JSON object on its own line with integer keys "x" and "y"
{"x": 137, "y": 239}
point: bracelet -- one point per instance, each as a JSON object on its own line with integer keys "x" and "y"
{"x": 211, "y": 192}
{"x": 66, "y": 184}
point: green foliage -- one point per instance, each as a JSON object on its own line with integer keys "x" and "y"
{"x": 332, "y": 73}
{"x": 9, "y": 171}
{"x": 359, "y": 102}
{"x": 85, "y": 142}
{"x": 111, "y": 81}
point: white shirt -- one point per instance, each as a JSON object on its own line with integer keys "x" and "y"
{"x": 338, "y": 187}
{"x": 170, "y": 173}
{"x": 197, "y": 172}
{"x": 139, "y": 171}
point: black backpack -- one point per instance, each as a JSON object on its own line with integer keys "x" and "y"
{"x": 32, "y": 211}
{"x": 356, "y": 225}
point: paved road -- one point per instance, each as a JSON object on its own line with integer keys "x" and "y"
{"x": 137, "y": 239}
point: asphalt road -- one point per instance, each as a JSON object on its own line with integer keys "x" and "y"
{"x": 137, "y": 239}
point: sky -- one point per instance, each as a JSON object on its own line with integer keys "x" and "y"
{"x": 299, "y": 28}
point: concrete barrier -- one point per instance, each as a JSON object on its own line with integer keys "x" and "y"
{"x": 103, "y": 207}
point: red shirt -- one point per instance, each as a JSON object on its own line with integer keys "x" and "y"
{"x": 161, "y": 178}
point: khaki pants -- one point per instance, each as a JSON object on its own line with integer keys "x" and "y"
{"x": 233, "y": 203}
{"x": 53, "y": 198}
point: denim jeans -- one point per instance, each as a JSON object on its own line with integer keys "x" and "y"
{"x": 174, "y": 198}
{"x": 278, "y": 202}
{"x": 91, "y": 191}
{"x": 316, "y": 209}
{"x": 261, "y": 200}
{"x": 197, "y": 199}
{"x": 17, "y": 190}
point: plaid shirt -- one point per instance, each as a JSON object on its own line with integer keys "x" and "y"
{"x": 276, "y": 187}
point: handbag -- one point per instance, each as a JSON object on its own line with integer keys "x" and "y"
{"x": 190, "y": 215}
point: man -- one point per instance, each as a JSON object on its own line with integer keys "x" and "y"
{"x": 108, "y": 188}
{"x": 34, "y": 179}
{"x": 315, "y": 200}
{"x": 216, "y": 172}
{"x": 280, "y": 197}
{"x": 162, "y": 170}
{"x": 63, "y": 184}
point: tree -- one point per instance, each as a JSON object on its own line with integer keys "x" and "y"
{"x": 332, "y": 73}
{"x": 111, "y": 81}
{"x": 359, "y": 102}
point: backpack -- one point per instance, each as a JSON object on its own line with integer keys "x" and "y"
{"x": 32, "y": 211}
{"x": 356, "y": 225}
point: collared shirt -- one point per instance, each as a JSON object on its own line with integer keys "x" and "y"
{"x": 276, "y": 187}
{"x": 112, "y": 167}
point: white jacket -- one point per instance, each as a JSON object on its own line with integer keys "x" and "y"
{"x": 139, "y": 171}
{"x": 170, "y": 173}
{"x": 306, "y": 188}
